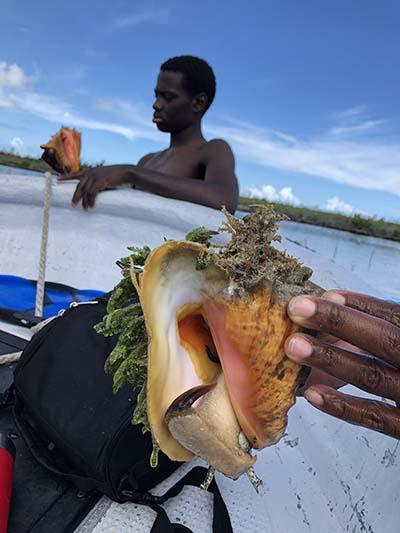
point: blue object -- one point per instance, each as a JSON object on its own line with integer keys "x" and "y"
{"x": 19, "y": 294}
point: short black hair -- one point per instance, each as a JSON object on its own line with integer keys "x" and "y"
{"x": 198, "y": 76}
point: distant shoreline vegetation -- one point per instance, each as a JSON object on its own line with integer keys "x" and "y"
{"x": 355, "y": 224}
{"x": 11, "y": 159}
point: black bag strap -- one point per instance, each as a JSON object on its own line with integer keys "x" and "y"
{"x": 163, "y": 524}
{"x": 196, "y": 476}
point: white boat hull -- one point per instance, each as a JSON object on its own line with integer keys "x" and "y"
{"x": 324, "y": 475}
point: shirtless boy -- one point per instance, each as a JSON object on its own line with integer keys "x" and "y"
{"x": 198, "y": 171}
{"x": 191, "y": 168}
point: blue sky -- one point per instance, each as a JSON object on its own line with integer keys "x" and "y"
{"x": 308, "y": 92}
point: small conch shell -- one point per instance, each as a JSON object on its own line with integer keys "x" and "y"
{"x": 216, "y": 362}
{"x": 62, "y": 152}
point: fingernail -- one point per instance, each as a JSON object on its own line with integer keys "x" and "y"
{"x": 301, "y": 307}
{"x": 298, "y": 348}
{"x": 335, "y": 297}
{"x": 314, "y": 397}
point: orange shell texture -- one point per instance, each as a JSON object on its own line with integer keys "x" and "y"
{"x": 63, "y": 150}
{"x": 249, "y": 334}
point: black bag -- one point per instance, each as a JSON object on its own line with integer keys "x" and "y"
{"x": 80, "y": 431}
{"x": 40, "y": 503}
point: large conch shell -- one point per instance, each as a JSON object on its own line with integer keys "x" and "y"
{"x": 218, "y": 380}
{"x": 63, "y": 150}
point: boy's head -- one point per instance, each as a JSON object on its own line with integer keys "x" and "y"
{"x": 198, "y": 76}
{"x": 185, "y": 90}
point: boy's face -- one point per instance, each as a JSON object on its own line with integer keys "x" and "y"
{"x": 174, "y": 108}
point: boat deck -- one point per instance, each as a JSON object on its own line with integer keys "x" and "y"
{"x": 323, "y": 475}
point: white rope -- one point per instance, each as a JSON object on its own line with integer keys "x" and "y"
{"x": 12, "y": 357}
{"x": 43, "y": 248}
{"x": 40, "y": 325}
{"x": 9, "y": 358}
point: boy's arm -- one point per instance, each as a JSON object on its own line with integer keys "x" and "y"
{"x": 218, "y": 188}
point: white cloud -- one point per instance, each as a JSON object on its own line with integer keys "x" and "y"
{"x": 336, "y": 205}
{"x": 354, "y": 121}
{"x": 16, "y": 94}
{"x": 350, "y": 113}
{"x": 160, "y": 16}
{"x": 56, "y": 110}
{"x": 287, "y": 196}
{"x": 5, "y": 102}
{"x": 268, "y": 192}
{"x": 12, "y": 75}
{"x": 361, "y": 162}
{"x": 357, "y": 128}
{"x": 17, "y": 144}
{"x": 133, "y": 122}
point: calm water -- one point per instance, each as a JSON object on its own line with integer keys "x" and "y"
{"x": 12, "y": 170}
{"x": 377, "y": 261}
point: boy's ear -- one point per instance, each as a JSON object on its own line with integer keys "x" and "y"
{"x": 200, "y": 103}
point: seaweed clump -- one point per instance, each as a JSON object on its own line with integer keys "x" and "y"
{"x": 128, "y": 361}
{"x": 249, "y": 257}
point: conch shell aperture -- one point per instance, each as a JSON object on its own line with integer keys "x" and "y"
{"x": 62, "y": 152}
{"x": 217, "y": 372}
